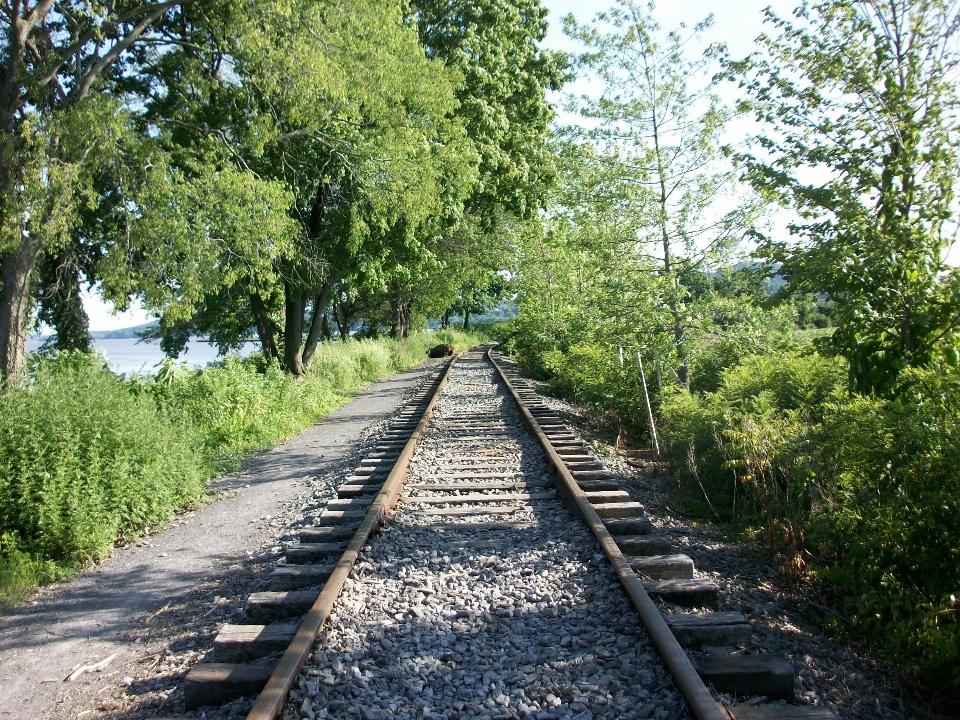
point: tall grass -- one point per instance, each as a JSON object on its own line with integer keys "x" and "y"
{"x": 88, "y": 459}
{"x": 240, "y": 405}
{"x": 85, "y": 463}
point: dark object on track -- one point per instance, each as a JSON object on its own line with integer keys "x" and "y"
{"x": 439, "y": 351}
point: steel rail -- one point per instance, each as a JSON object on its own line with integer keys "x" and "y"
{"x": 699, "y": 700}
{"x": 270, "y": 703}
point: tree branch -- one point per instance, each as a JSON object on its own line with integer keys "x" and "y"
{"x": 86, "y": 37}
{"x": 87, "y": 80}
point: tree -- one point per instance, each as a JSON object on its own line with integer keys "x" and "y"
{"x": 581, "y": 280}
{"x": 502, "y": 101}
{"x": 503, "y": 105}
{"x": 344, "y": 113}
{"x": 858, "y": 102}
{"x": 655, "y": 130}
{"x": 477, "y": 295}
{"x": 54, "y": 122}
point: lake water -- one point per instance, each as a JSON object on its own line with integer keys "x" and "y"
{"x": 129, "y": 356}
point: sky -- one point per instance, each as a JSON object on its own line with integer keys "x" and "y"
{"x": 736, "y": 22}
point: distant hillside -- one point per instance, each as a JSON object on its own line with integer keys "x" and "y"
{"x": 129, "y": 333}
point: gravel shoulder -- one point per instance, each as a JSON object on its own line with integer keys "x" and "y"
{"x": 787, "y": 616}
{"x": 155, "y": 606}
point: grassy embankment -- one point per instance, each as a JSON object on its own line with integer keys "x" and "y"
{"x": 858, "y": 494}
{"x": 89, "y": 460}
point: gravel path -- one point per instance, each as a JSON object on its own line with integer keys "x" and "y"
{"x": 465, "y": 622}
{"x": 156, "y": 605}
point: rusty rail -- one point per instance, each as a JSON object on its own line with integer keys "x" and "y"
{"x": 699, "y": 700}
{"x": 269, "y": 704}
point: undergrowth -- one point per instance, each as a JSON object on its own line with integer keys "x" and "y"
{"x": 89, "y": 459}
{"x": 857, "y": 493}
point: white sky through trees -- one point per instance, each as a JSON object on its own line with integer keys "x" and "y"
{"x": 736, "y": 22}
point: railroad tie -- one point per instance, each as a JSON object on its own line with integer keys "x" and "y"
{"x": 710, "y": 628}
{"x": 297, "y": 577}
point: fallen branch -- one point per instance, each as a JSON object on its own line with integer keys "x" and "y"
{"x": 90, "y": 668}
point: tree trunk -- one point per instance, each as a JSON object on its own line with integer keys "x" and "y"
{"x": 466, "y": 320}
{"x": 294, "y": 301}
{"x": 320, "y": 303}
{"x": 401, "y": 317}
{"x": 16, "y": 268}
{"x": 678, "y": 339}
{"x": 343, "y": 322}
{"x": 265, "y": 330}
{"x": 445, "y": 321}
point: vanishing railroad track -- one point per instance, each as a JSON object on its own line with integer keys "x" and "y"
{"x": 509, "y": 576}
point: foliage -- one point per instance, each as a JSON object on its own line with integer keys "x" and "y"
{"x": 237, "y": 409}
{"x": 88, "y": 459}
{"x": 503, "y": 103}
{"x": 893, "y": 527}
{"x": 738, "y": 328}
{"x": 60, "y": 123}
{"x": 823, "y": 419}
{"x": 83, "y": 462}
{"x": 749, "y": 442}
{"x": 211, "y": 232}
{"x": 859, "y": 109}
{"x": 863, "y": 486}
{"x": 653, "y": 160}
{"x": 344, "y": 126}
{"x": 503, "y": 106}
{"x": 21, "y": 572}
{"x": 242, "y": 405}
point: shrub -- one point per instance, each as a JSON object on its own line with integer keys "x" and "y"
{"x": 21, "y": 572}
{"x": 869, "y": 484}
{"x": 749, "y": 442}
{"x": 83, "y": 462}
{"x": 893, "y": 530}
{"x": 87, "y": 459}
{"x": 237, "y": 409}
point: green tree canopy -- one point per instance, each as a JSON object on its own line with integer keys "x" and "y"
{"x": 343, "y": 112}
{"x": 858, "y": 105}
{"x": 652, "y": 162}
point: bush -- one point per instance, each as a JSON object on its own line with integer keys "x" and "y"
{"x": 749, "y": 442}
{"x": 241, "y": 405}
{"x": 893, "y": 530}
{"x": 869, "y": 485}
{"x": 21, "y": 572}
{"x": 83, "y": 462}
{"x": 593, "y": 376}
{"x": 237, "y": 410}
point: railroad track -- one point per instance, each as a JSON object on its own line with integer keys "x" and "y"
{"x": 509, "y": 576}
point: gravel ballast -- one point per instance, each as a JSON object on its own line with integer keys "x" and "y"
{"x": 465, "y": 622}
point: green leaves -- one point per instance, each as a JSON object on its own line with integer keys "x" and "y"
{"x": 651, "y": 161}
{"x": 194, "y": 236}
{"x": 502, "y": 101}
{"x": 857, "y": 139}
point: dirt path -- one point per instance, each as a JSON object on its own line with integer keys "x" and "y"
{"x": 129, "y": 606}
